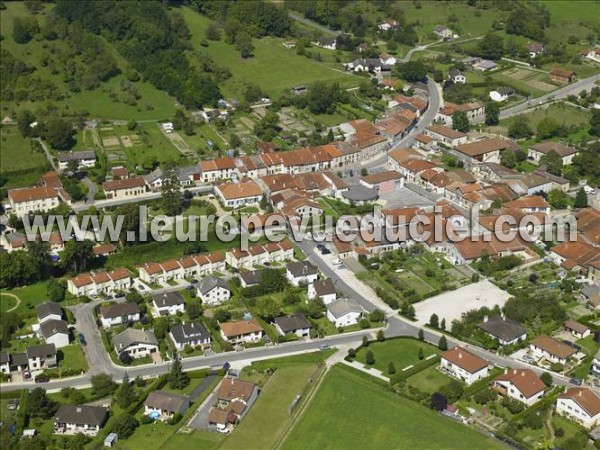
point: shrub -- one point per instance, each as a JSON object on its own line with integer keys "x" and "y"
{"x": 369, "y": 358}
{"x": 144, "y": 420}
{"x": 175, "y": 419}
{"x": 364, "y": 323}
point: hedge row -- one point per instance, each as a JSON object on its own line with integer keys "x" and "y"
{"x": 397, "y": 378}
{"x": 481, "y": 384}
{"x": 542, "y": 404}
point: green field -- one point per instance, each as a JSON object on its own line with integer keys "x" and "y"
{"x": 402, "y": 352}
{"x": 273, "y": 67}
{"x": 30, "y": 297}
{"x": 563, "y": 114}
{"x": 429, "y": 380}
{"x": 352, "y": 411}
{"x": 269, "y": 415}
{"x": 153, "y": 104}
{"x": 17, "y": 153}
{"x": 72, "y": 357}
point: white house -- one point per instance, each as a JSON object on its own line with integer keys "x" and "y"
{"x": 551, "y": 349}
{"x": 596, "y": 364}
{"x": 456, "y": 76}
{"x": 48, "y": 311}
{"x": 125, "y": 187}
{"x": 135, "y": 343}
{"x": 218, "y": 169}
{"x": 344, "y": 312}
{"x": 193, "y": 334}
{"x": 235, "y": 195}
{"x": 41, "y": 356}
{"x": 388, "y": 25}
{"x": 301, "y": 272}
{"x": 502, "y": 94}
{"x": 4, "y": 363}
{"x": 296, "y": 324}
{"x": 55, "y": 332}
{"x": 581, "y": 405}
{"x": 242, "y": 332}
{"x": 119, "y": 313}
{"x": 167, "y": 304}
{"x": 329, "y": 43}
{"x": 505, "y": 331}
{"x": 75, "y": 419}
{"x": 166, "y": 404}
{"x": 443, "y": 32}
{"x": 213, "y": 291}
{"x": 464, "y": 365}
{"x": 537, "y": 151}
{"x": 577, "y": 330}
{"x": 387, "y": 59}
{"x": 323, "y": 289}
{"x": 446, "y": 135}
{"x": 85, "y": 159}
{"x": 99, "y": 283}
{"x": 521, "y": 384}
{"x": 35, "y": 199}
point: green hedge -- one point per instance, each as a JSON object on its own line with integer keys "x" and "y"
{"x": 155, "y": 385}
{"x": 397, "y": 378}
{"x": 481, "y": 384}
{"x": 544, "y": 403}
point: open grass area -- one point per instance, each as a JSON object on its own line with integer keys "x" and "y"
{"x": 352, "y": 410}
{"x": 17, "y": 153}
{"x": 402, "y": 352}
{"x": 562, "y": 113}
{"x": 429, "y": 380}
{"x": 269, "y": 415}
{"x": 30, "y": 296}
{"x": 273, "y": 67}
{"x": 196, "y": 439}
{"x": 152, "y": 104}
{"x": 72, "y": 357}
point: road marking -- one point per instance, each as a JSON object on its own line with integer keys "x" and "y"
{"x": 13, "y": 296}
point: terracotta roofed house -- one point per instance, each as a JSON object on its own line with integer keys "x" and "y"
{"x": 28, "y": 200}
{"x": 464, "y": 365}
{"x": 124, "y": 187}
{"x": 485, "y": 150}
{"x": 580, "y": 405}
{"x": 521, "y": 384}
{"x": 562, "y": 75}
{"x": 235, "y": 195}
{"x": 551, "y": 349}
{"x": 243, "y": 331}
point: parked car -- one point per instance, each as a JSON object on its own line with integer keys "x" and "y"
{"x": 323, "y": 347}
{"x": 26, "y": 375}
{"x": 337, "y": 261}
{"x": 576, "y": 381}
{"x": 82, "y": 339}
{"x": 42, "y": 379}
{"x": 325, "y": 251}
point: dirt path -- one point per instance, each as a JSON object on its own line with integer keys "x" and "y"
{"x": 13, "y": 296}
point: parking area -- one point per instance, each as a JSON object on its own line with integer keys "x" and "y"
{"x": 405, "y": 198}
{"x": 451, "y": 305}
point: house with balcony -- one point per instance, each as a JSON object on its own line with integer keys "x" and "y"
{"x": 520, "y": 384}
{"x": 464, "y": 365}
{"x": 76, "y": 419}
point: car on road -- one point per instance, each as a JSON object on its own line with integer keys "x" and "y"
{"x": 337, "y": 261}
{"x": 190, "y": 288}
{"x": 323, "y": 347}
{"x": 325, "y": 251}
{"x": 320, "y": 247}
{"x": 576, "y": 381}
{"x": 141, "y": 288}
{"x": 82, "y": 340}
{"x": 42, "y": 379}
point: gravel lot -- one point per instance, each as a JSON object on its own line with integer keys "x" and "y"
{"x": 451, "y": 305}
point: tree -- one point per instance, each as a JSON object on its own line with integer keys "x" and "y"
{"x": 443, "y": 325}
{"x": 443, "y": 344}
{"x": 421, "y": 334}
{"x": 55, "y": 290}
{"x": 420, "y": 354}
{"x": 581, "y": 200}
{"x": 369, "y": 358}
{"x": 193, "y": 309}
{"x": 558, "y": 199}
{"x": 125, "y": 394}
{"x": 460, "y": 121}
{"x": 491, "y": 46}
{"x": 380, "y": 336}
{"x": 484, "y": 396}
{"x": 351, "y": 353}
{"x": 124, "y": 425}
{"x": 103, "y": 385}
{"x": 438, "y": 401}
{"x": 213, "y": 33}
{"x": 171, "y": 190}
{"x": 519, "y": 128}
{"x": 243, "y": 44}
{"x": 39, "y": 404}
{"x": 20, "y": 33}
{"x": 412, "y": 71}
{"x": 508, "y": 158}
{"x": 161, "y": 327}
{"x": 492, "y": 113}
{"x": 77, "y": 255}
{"x": 365, "y": 341}
{"x": 595, "y": 123}
{"x": 553, "y": 162}
{"x": 59, "y": 133}
{"x": 547, "y": 128}
{"x": 391, "y": 368}
{"x": 377, "y": 316}
{"x": 434, "y": 321}
{"x": 267, "y": 308}
{"x": 453, "y": 390}
{"x": 178, "y": 379}
{"x": 546, "y": 377}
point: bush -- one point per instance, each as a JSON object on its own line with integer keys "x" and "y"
{"x": 175, "y": 419}
{"x": 364, "y": 323}
{"x": 351, "y": 353}
{"x": 369, "y": 358}
{"x": 144, "y": 420}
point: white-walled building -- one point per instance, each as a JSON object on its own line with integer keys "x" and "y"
{"x": 119, "y": 313}
{"x": 464, "y": 365}
{"x": 344, "y": 312}
{"x": 136, "y": 343}
{"x": 242, "y": 332}
{"x": 581, "y": 405}
{"x": 213, "y": 291}
{"x": 301, "y": 272}
{"x": 323, "y": 289}
{"x": 75, "y": 419}
{"x": 167, "y": 304}
{"x": 520, "y": 384}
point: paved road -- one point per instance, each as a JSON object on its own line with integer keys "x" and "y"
{"x": 92, "y": 189}
{"x": 571, "y": 89}
{"x": 204, "y": 189}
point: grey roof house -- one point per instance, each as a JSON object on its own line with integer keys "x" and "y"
{"x": 73, "y": 419}
{"x": 191, "y": 333}
{"x": 166, "y": 404}
{"x": 296, "y": 324}
{"x": 135, "y": 343}
{"x": 506, "y": 331}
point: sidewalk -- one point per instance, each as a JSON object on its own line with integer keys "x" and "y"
{"x": 373, "y": 372}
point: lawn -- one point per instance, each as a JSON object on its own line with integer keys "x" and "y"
{"x": 402, "y": 352}
{"x": 196, "y": 439}
{"x": 153, "y": 104}
{"x": 351, "y": 410}
{"x": 269, "y": 415}
{"x": 30, "y": 296}
{"x": 563, "y": 114}
{"x": 72, "y": 357}
{"x": 17, "y": 153}
{"x": 429, "y": 380}
{"x": 273, "y": 67}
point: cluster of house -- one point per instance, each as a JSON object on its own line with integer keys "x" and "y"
{"x": 234, "y": 398}
{"x": 34, "y": 358}
{"x": 43, "y": 198}
{"x": 523, "y": 385}
{"x": 51, "y": 326}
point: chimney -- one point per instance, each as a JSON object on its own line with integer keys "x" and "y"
{"x": 79, "y": 409}
{"x": 485, "y": 318}
{"x": 523, "y": 373}
{"x": 460, "y": 355}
